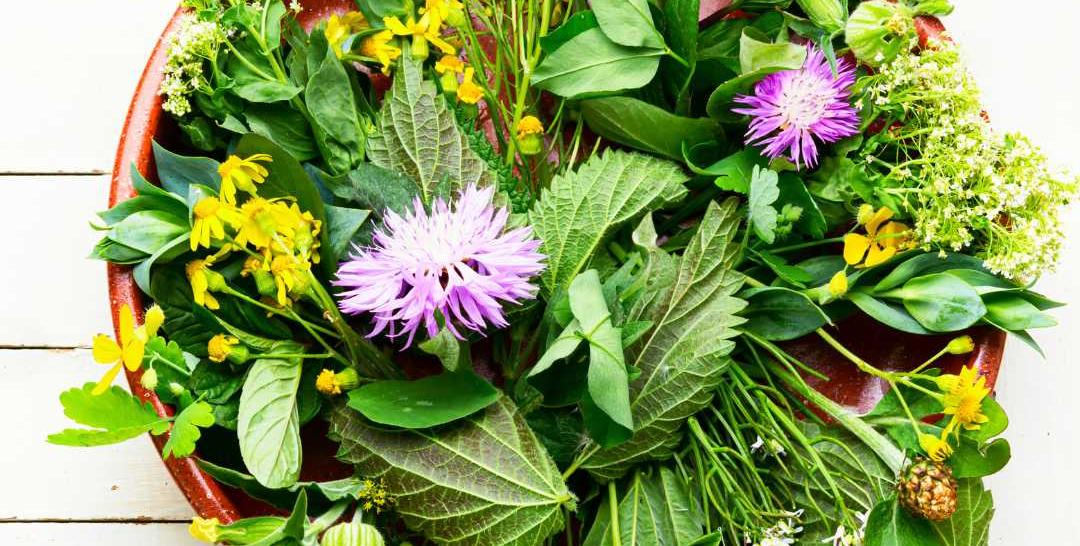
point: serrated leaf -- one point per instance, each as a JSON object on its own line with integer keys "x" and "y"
{"x": 483, "y": 481}
{"x": 268, "y": 425}
{"x": 655, "y": 509}
{"x": 970, "y": 525}
{"x": 185, "y": 431}
{"x": 115, "y": 416}
{"x": 418, "y": 136}
{"x": 682, "y": 358}
{"x": 891, "y": 525}
{"x": 579, "y": 209}
{"x": 764, "y": 191}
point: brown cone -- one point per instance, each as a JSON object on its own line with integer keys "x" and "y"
{"x": 927, "y": 489}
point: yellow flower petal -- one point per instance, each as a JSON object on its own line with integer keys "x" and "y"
{"x": 133, "y": 354}
{"x": 882, "y": 214}
{"x": 106, "y": 351}
{"x": 396, "y": 26}
{"x": 106, "y": 380}
{"x": 127, "y": 324}
{"x": 838, "y": 285}
{"x": 878, "y": 255}
{"x": 893, "y": 235}
{"x": 855, "y": 246}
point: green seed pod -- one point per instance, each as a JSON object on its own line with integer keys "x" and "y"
{"x": 827, "y": 14}
{"x": 352, "y": 534}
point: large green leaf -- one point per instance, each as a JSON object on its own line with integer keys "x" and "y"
{"x": 269, "y": 423}
{"x": 114, "y": 416}
{"x": 890, "y": 525}
{"x": 683, "y": 356}
{"x": 332, "y": 109}
{"x": 970, "y": 525}
{"x": 579, "y": 209}
{"x": 655, "y": 509}
{"x": 424, "y": 403}
{"x": 608, "y": 68}
{"x": 419, "y": 136}
{"x": 641, "y": 125}
{"x": 628, "y": 22}
{"x": 483, "y": 481}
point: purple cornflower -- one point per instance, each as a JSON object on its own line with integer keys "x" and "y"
{"x": 791, "y": 108}
{"x": 455, "y": 263}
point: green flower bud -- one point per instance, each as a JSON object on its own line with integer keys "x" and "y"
{"x": 264, "y": 283}
{"x": 960, "y": 346}
{"x": 149, "y": 379}
{"x": 420, "y": 48}
{"x": 352, "y": 534}
{"x": 827, "y": 14}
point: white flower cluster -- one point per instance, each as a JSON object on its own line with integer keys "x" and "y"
{"x": 193, "y": 43}
{"x": 854, "y": 537}
{"x": 976, "y": 188}
{"x": 781, "y": 534}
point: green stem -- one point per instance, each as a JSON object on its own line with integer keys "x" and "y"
{"x": 932, "y": 359}
{"x": 580, "y": 460}
{"x": 809, "y": 244}
{"x": 319, "y": 338}
{"x": 367, "y": 358}
{"x": 279, "y": 312}
{"x": 613, "y": 508}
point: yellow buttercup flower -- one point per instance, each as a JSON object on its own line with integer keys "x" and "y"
{"x": 964, "y": 394}
{"x": 210, "y": 215}
{"x": 936, "y": 448}
{"x": 880, "y": 242}
{"x": 205, "y": 530}
{"x": 838, "y": 285}
{"x": 204, "y": 281}
{"x": 468, "y": 92}
{"x": 339, "y": 27}
{"x": 243, "y": 174}
{"x": 289, "y": 275}
{"x": 377, "y": 46}
{"x": 127, "y": 351}
{"x": 219, "y": 347}
{"x": 263, "y": 222}
{"x": 422, "y": 32}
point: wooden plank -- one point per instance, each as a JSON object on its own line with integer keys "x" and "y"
{"x": 47, "y": 482}
{"x": 53, "y": 295}
{"x": 113, "y": 534}
{"x": 71, "y": 70}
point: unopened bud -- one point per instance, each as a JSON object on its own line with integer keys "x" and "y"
{"x": 960, "y": 346}
{"x": 352, "y": 534}
{"x": 149, "y": 379}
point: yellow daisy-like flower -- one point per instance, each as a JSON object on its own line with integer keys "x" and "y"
{"x": 205, "y": 530}
{"x": 243, "y": 174}
{"x": 838, "y": 285}
{"x": 529, "y": 125}
{"x": 289, "y": 275}
{"x": 339, "y": 27}
{"x": 468, "y": 92}
{"x": 327, "y": 384}
{"x": 936, "y": 448}
{"x": 450, "y": 64}
{"x": 377, "y": 46}
{"x": 127, "y": 351}
{"x": 204, "y": 281}
{"x": 219, "y": 347}
{"x": 422, "y": 32}
{"x": 880, "y": 242}
{"x": 264, "y": 222}
{"x": 964, "y": 394}
{"x": 211, "y": 214}
{"x": 451, "y": 11}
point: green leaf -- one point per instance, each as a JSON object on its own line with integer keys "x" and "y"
{"x": 878, "y": 30}
{"x": 375, "y": 10}
{"x": 575, "y": 25}
{"x": 608, "y": 68}
{"x": 780, "y": 314}
{"x": 285, "y": 126}
{"x": 971, "y": 460}
{"x": 215, "y": 382}
{"x": 451, "y": 351}
{"x": 266, "y": 91}
{"x": 627, "y": 22}
{"x": 793, "y": 191}
{"x": 887, "y": 313}
{"x": 579, "y": 209}
{"x": 890, "y": 525}
{"x": 148, "y": 230}
{"x": 418, "y": 136}
{"x": 330, "y": 491}
{"x": 997, "y": 422}
{"x": 177, "y": 172}
{"x": 970, "y": 525}
{"x": 681, "y": 29}
{"x": 424, "y": 403}
{"x": 332, "y": 108}
{"x": 764, "y": 191}
{"x": 733, "y": 173}
{"x": 185, "y": 431}
{"x": 1012, "y": 312}
{"x": 114, "y": 415}
{"x": 940, "y": 302}
{"x": 925, "y": 264}
{"x": 560, "y": 430}
{"x": 268, "y": 424}
{"x": 655, "y": 509}
{"x": 690, "y": 300}
{"x": 342, "y": 225}
{"x": 484, "y": 480}
{"x": 640, "y": 125}
{"x": 791, "y": 274}
{"x": 375, "y": 188}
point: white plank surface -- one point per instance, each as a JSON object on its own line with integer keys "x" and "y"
{"x": 66, "y": 95}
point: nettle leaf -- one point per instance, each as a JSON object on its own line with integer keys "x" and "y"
{"x": 114, "y": 415}
{"x": 692, "y": 306}
{"x": 269, "y": 424}
{"x": 655, "y": 509}
{"x": 890, "y": 525}
{"x": 484, "y": 480}
{"x": 764, "y": 191}
{"x": 970, "y": 525}
{"x": 185, "y": 431}
{"x": 579, "y": 209}
{"x": 419, "y": 136}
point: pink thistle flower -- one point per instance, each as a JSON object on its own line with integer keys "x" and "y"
{"x": 455, "y": 263}
{"x": 791, "y": 108}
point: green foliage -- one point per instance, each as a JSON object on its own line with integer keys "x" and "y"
{"x": 878, "y": 31}
{"x": 638, "y": 124}
{"x": 764, "y": 191}
{"x": 890, "y": 525}
{"x": 114, "y": 416}
{"x": 608, "y": 68}
{"x": 424, "y": 403}
{"x": 331, "y": 105}
{"x": 185, "y": 430}
{"x": 628, "y": 23}
{"x": 970, "y": 525}
{"x": 576, "y": 213}
{"x": 940, "y": 302}
{"x": 177, "y": 172}
{"x": 269, "y": 424}
{"x": 318, "y": 492}
{"x": 484, "y": 480}
{"x": 655, "y": 508}
{"x": 758, "y": 57}
{"x": 780, "y": 314}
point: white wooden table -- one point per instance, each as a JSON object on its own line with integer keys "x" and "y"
{"x": 68, "y": 70}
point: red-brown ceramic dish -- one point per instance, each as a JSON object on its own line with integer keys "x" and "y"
{"x": 146, "y": 122}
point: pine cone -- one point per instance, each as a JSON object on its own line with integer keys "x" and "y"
{"x": 927, "y": 489}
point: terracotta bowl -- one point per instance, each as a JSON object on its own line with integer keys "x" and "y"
{"x": 146, "y": 122}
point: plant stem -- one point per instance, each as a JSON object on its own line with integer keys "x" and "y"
{"x": 580, "y": 460}
{"x": 613, "y": 508}
{"x": 809, "y": 244}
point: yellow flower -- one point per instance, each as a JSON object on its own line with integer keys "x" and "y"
{"x": 529, "y": 125}
{"x": 530, "y": 135}
{"x": 288, "y": 274}
{"x": 936, "y": 448}
{"x": 838, "y": 285}
{"x": 220, "y": 346}
{"x": 964, "y": 394}
{"x": 211, "y": 214}
{"x": 450, "y": 64}
{"x": 423, "y": 31}
{"x": 242, "y": 173}
{"x": 205, "y": 530}
{"x": 128, "y": 350}
{"x": 306, "y": 236}
{"x": 339, "y": 27}
{"x": 451, "y": 11}
{"x": 374, "y": 495}
{"x": 377, "y": 46}
{"x": 204, "y": 281}
{"x": 468, "y": 92}
{"x": 263, "y": 222}
{"x": 880, "y": 242}
{"x": 332, "y": 384}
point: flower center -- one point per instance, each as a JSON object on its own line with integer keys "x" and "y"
{"x": 803, "y": 101}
